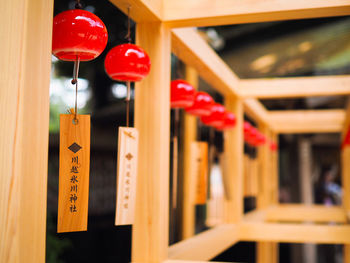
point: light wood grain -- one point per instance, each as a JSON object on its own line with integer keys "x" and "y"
{"x": 190, "y": 132}
{"x": 24, "y": 114}
{"x": 152, "y": 119}
{"x": 307, "y": 121}
{"x": 128, "y": 139}
{"x": 186, "y": 13}
{"x": 300, "y": 213}
{"x": 295, "y": 233}
{"x": 199, "y": 157}
{"x": 256, "y": 110}
{"x": 194, "y": 51}
{"x": 74, "y": 171}
{"x": 205, "y": 245}
{"x": 295, "y": 87}
{"x": 141, "y": 11}
{"x": 234, "y": 152}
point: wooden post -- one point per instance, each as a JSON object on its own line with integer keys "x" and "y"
{"x": 190, "y": 132}
{"x": 152, "y": 119}
{"x": 275, "y": 171}
{"x": 234, "y": 153}
{"x": 345, "y": 159}
{"x": 25, "y": 64}
{"x": 266, "y": 251}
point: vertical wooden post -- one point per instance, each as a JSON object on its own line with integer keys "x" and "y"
{"x": 25, "y": 64}
{"x": 234, "y": 153}
{"x": 275, "y": 171}
{"x": 345, "y": 159}
{"x": 152, "y": 119}
{"x": 266, "y": 251}
{"x": 190, "y": 133}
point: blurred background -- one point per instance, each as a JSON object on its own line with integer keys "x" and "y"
{"x": 264, "y": 50}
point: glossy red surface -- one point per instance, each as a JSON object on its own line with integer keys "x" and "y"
{"x": 216, "y": 117}
{"x": 260, "y": 138}
{"x": 182, "y": 94}
{"x": 246, "y": 127}
{"x": 202, "y": 104}
{"x": 273, "y": 146}
{"x": 229, "y": 121}
{"x": 127, "y": 62}
{"x": 78, "y": 33}
{"x": 251, "y": 136}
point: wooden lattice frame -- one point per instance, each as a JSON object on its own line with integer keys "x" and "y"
{"x": 24, "y": 111}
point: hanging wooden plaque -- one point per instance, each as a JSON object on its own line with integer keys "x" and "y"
{"x": 73, "y": 195}
{"x": 126, "y": 175}
{"x": 199, "y": 153}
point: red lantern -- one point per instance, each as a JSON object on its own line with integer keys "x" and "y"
{"x": 229, "y": 121}
{"x": 252, "y": 136}
{"x": 127, "y": 62}
{"x": 260, "y": 138}
{"x": 202, "y": 104}
{"x": 78, "y": 35}
{"x": 246, "y": 127}
{"x": 273, "y": 146}
{"x": 182, "y": 94}
{"x": 216, "y": 117}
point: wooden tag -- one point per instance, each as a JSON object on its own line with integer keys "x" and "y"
{"x": 73, "y": 195}
{"x": 126, "y": 175}
{"x": 199, "y": 153}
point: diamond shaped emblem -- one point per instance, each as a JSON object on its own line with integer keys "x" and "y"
{"x": 74, "y": 147}
{"x": 129, "y": 156}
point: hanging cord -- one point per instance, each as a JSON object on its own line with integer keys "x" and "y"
{"x": 128, "y": 84}
{"x": 75, "y": 81}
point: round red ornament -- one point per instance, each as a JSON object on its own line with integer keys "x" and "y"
{"x": 273, "y": 146}
{"x": 127, "y": 62}
{"x": 252, "y": 136}
{"x": 216, "y": 117}
{"x": 78, "y": 34}
{"x": 260, "y": 138}
{"x": 182, "y": 94}
{"x": 202, "y": 104}
{"x": 229, "y": 121}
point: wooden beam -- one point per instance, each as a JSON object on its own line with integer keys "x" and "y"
{"x": 234, "y": 152}
{"x": 205, "y": 245}
{"x": 255, "y": 110}
{"x": 194, "y": 51}
{"x": 152, "y": 119}
{"x": 190, "y": 133}
{"x": 190, "y": 261}
{"x": 294, "y": 233}
{"x": 141, "y": 11}
{"x": 275, "y": 88}
{"x": 189, "y": 13}
{"x": 307, "y": 121}
{"x": 300, "y": 213}
{"x": 26, "y": 34}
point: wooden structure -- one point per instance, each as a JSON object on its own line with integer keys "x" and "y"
{"x": 24, "y": 111}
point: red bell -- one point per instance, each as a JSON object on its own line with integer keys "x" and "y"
{"x": 273, "y": 146}
{"x": 260, "y": 138}
{"x": 78, "y": 34}
{"x": 127, "y": 62}
{"x": 246, "y": 127}
{"x": 202, "y": 104}
{"x": 252, "y": 136}
{"x": 182, "y": 94}
{"x": 216, "y": 117}
{"x": 229, "y": 121}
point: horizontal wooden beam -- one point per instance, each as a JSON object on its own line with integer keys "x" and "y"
{"x": 194, "y": 51}
{"x": 300, "y": 213}
{"x": 295, "y": 87}
{"x": 141, "y": 10}
{"x": 190, "y": 261}
{"x": 306, "y": 121}
{"x": 255, "y": 110}
{"x": 206, "y": 245}
{"x": 294, "y": 233}
{"x": 186, "y": 13}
